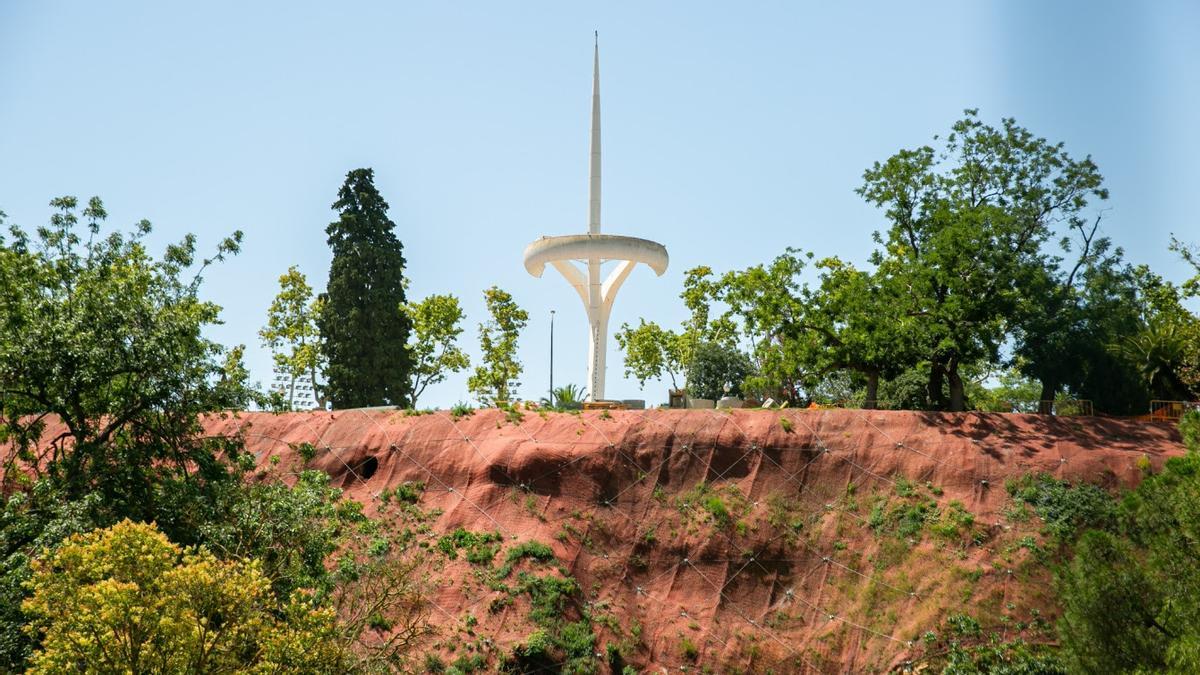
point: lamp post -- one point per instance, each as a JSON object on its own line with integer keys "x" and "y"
{"x": 551, "y": 358}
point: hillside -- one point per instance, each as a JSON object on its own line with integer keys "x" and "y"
{"x": 745, "y": 541}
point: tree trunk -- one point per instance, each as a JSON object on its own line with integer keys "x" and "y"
{"x": 872, "y": 401}
{"x": 1046, "y": 402}
{"x": 318, "y": 394}
{"x": 958, "y": 401}
{"x": 937, "y": 377}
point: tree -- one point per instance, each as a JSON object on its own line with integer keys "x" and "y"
{"x": 715, "y": 366}
{"x": 1191, "y": 255}
{"x": 104, "y": 371}
{"x": 433, "y": 349}
{"x": 125, "y": 599}
{"x": 495, "y": 379}
{"x": 107, "y": 344}
{"x": 1012, "y": 388}
{"x": 292, "y": 336}
{"x": 768, "y": 300}
{"x": 967, "y": 224}
{"x": 1131, "y": 594}
{"x": 652, "y": 351}
{"x": 1055, "y": 330}
{"x": 1163, "y": 352}
{"x": 1162, "y": 346}
{"x": 802, "y": 336}
{"x": 363, "y": 326}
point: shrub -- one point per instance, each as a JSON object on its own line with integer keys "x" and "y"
{"x": 127, "y": 599}
{"x": 481, "y": 547}
{"x": 1066, "y": 509}
{"x": 688, "y": 649}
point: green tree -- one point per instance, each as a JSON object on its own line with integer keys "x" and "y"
{"x": 104, "y": 372}
{"x": 125, "y": 599}
{"x": 495, "y": 379}
{"x": 967, "y": 226}
{"x": 434, "y": 349}
{"x": 802, "y": 336}
{"x": 768, "y": 301}
{"x": 652, "y": 351}
{"x": 1131, "y": 594}
{"x": 715, "y": 366}
{"x": 107, "y": 343}
{"x": 362, "y": 323}
{"x": 1191, "y": 255}
{"x": 1057, "y": 328}
{"x": 1010, "y": 389}
{"x": 1163, "y": 348}
{"x": 292, "y": 336}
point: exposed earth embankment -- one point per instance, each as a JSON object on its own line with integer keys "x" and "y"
{"x": 793, "y": 541}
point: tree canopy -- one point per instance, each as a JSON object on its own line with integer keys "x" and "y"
{"x": 967, "y": 223}
{"x": 107, "y": 343}
{"x": 433, "y": 348}
{"x": 495, "y": 378}
{"x": 363, "y": 327}
{"x": 292, "y": 336}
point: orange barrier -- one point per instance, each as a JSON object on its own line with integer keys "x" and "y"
{"x": 1170, "y": 410}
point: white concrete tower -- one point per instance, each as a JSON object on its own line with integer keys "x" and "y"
{"x": 593, "y": 249}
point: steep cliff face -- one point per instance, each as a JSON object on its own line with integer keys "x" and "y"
{"x": 794, "y": 541}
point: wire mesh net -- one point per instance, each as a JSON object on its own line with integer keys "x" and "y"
{"x": 738, "y": 540}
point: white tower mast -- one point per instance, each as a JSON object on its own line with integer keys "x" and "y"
{"x": 593, "y": 249}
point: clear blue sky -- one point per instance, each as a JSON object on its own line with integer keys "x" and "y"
{"x": 730, "y": 132}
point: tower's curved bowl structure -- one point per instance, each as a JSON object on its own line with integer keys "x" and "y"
{"x": 584, "y": 247}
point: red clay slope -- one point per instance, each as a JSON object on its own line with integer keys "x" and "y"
{"x": 796, "y": 576}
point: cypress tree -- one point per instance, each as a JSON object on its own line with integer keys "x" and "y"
{"x": 363, "y": 327}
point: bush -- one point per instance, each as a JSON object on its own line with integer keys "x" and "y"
{"x": 713, "y": 366}
{"x": 1066, "y": 509}
{"x": 128, "y": 600}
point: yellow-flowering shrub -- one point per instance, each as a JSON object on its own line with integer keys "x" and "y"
{"x": 126, "y": 599}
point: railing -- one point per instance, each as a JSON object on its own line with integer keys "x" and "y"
{"x": 1171, "y": 410}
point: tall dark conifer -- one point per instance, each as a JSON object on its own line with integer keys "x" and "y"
{"x": 363, "y": 330}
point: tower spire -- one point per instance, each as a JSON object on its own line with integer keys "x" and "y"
{"x": 592, "y": 249}
{"x": 594, "y": 172}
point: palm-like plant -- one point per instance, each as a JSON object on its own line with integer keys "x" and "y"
{"x": 1161, "y": 352}
{"x": 567, "y": 397}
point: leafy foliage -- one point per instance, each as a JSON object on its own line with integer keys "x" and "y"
{"x": 126, "y": 599}
{"x": 433, "y": 346}
{"x": 1066, "y": 509}
{"x": 567, "y": 397}
{"x": 292, "y": 336}
{"x": 715, "y": 366}
{"x": 967, "y": 223}
{"x": 1131, "y": 595}
{"x": 362, "y": 319}
{"x": 652, "y": 351}
{"x": 107, "y": 343}
{"x": 495, "y": 379}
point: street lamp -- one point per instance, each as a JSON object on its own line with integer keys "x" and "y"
{"x": 551, "y": 358}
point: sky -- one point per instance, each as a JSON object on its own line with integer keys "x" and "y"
{"x": 731, "y": 132}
